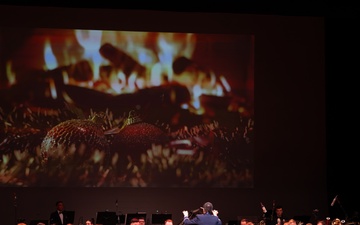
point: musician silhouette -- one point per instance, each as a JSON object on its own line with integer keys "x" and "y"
{"x": 278, "y": 217}
{"x": 60, "y": 216}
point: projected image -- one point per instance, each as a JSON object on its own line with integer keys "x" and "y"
{"x": 101, "y": 108}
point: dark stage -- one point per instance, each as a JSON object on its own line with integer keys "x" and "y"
{"x": 300, "y": 91}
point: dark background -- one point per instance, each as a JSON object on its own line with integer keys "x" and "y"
{"x": 338, "y": 167}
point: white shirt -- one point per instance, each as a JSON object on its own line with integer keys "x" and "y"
{"x": 61, "y": 215}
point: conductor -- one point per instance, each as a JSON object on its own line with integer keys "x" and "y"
{"x": 209, "y": 216}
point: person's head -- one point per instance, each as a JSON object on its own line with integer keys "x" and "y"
{"x": 336, "y": 221}
{"x": 141, "y": 221}
{"x": 279, "y": 210}
{"x": 321, "y": 222}
{"x": 243, "y": 221}
{"x": 208, "y": 207}
{"x": 59, "y": 205}
{"x": 168, "y": 222}
{"x": 89, "y": 222}
{"x": 292, "y": 222}
{"x": 134, "y": 221}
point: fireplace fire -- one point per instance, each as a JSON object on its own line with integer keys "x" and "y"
{"x": 181, "y": 84}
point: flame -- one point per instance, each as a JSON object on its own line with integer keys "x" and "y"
{"x": 50, "y": 60}
{"x": 225, "y": 83}
{"x": 53, "y": 91}
{"x": 10, "y": 74}
{"x": 156, "y": 75}
{"x": 131, "y": 82}
{"x": 90, "y": 40}
{"x": 156, "y": 52}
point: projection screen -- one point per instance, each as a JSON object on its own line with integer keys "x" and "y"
{"x": 110, "y": 108}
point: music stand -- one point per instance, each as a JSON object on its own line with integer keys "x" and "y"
{"x": 36, "y": 222}
{"x": 106, "y": 218}
{"x": 130, "y": 216}
{"x": 70, "y": 216}
{"x": 160, "y": 218}
{"x": 121, "y": 219}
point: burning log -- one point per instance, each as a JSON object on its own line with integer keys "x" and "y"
{"x": 121, "y": 60}
{"x": 46, "y": 87}
{"x": 81, "y": 71}
{"x": 214, "y": 103}
{"x": 182, "y": 64}
{"x": 166, "y": 95}
{"x": 170, "y": 94}
{"x": 87, "y": 98}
